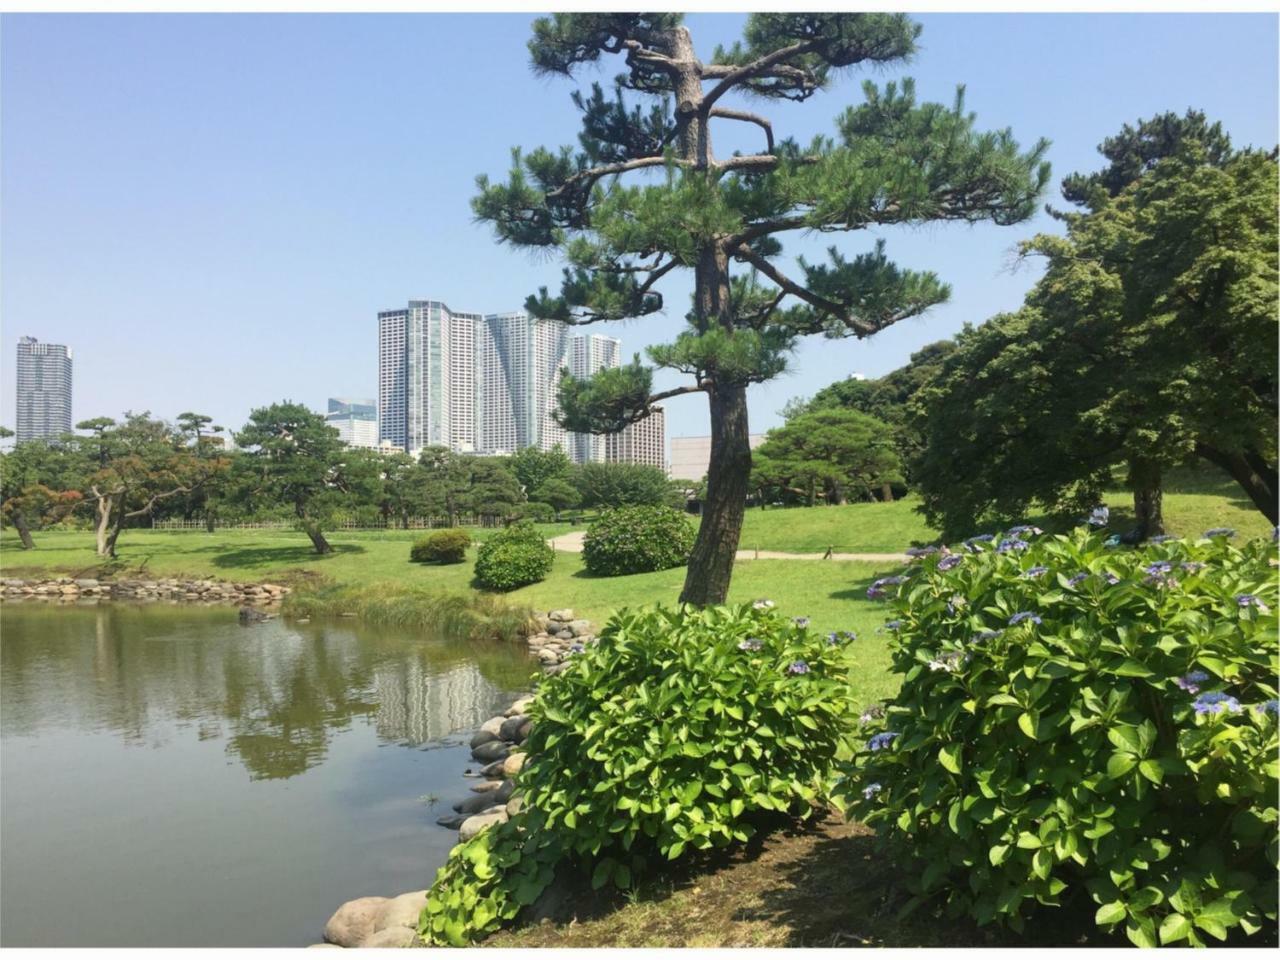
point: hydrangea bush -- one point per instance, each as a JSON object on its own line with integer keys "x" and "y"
{"x": 637, "y": 540}
{"x": 1079, "y": 718}
{"x": 513, "y": 557}
{"x": 662, "y": 738}
{"x": 443, "y": 546}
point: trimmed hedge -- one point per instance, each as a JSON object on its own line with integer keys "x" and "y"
{"x": 443, "y": 546}
{"x": 637, "y": 540}
{"x": 514, "y": 557}
{"x": 1080, "y": 719}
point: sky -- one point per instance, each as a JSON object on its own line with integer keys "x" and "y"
{"x": 211, "y": 209}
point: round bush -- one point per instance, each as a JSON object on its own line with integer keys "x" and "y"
{"x": 443, "y": 546}
{"x": 513, "y": 557}
{"x": 1081, "y": 719}
{"x": 667, "y": 735}
{"x": 637, "y": 540}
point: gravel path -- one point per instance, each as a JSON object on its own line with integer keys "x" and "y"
{"x": 572, "y": 543}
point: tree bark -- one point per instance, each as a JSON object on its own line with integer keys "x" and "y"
{"x": 1256, "y": 477}
{"x": 886, "y": 492}
{"x": 209, "y": 523}
{"x": 318, "y": 541}
{"x": 106, "y": 543}
{"x": 711, "y": 562}
{"x": 1148, "y": 499}
{"x": 24, "y": 530}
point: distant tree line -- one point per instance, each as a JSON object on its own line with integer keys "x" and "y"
{"x": 288, "y": 463}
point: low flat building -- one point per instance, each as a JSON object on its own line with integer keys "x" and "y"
{"x": 691, "y": 456}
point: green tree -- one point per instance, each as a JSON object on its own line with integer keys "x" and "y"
{"x": 891, "y": 161}
{"x": 203, "y": 435}
{"x": 1150, "y": 340}
{"x": 37, "y": 486}
{"x": 534, "y": 467}
{"x": 492, "y": 487}
{"x": 130, "y": 468}
{"x": 557, "y": 493}
{"x": 836, "y": 452}
{"x": 446, "y": 482}
{"x": 624, "y": 485}
{"x": 293, "y": 457}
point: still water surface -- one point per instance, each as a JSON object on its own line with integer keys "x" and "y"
{"x": 170, "y": 778}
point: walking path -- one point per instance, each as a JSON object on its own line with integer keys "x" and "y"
{"x": 572, "y": 543}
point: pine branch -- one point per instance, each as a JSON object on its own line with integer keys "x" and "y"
{"x": 788, "y": 285}
{"x": 747, "y": 117}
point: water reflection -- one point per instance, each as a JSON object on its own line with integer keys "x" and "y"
{"x": 276, "y": 693}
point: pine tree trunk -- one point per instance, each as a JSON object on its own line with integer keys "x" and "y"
{"x": 1256, "y": 477}
{"x": 209, "y": 522}
{"x": 1148, "y": 499}
{"x": 24, "y": 530}
{"x": 886, "y": 493}
{"x": 105, "y": 542}
{"x": 711, "y": 563}
{"x": 312, "y": 530}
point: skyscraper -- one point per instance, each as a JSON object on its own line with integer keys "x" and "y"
{"x": 426, "y": 376}
{"x": 43, "y": 380}
{"x": 588, "y": 354}
{"x": 518, "y": 363}
{"x": 355, "y": 420}
{"x": 644, "y": 441}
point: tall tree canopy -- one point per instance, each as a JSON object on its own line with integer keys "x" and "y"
{"x": 891, "y": 161}
{"x": 833, "y": 452}
{"x": 1150, "y": 340}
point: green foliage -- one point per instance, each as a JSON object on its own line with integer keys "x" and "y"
{"x": 838, "y": 452}
{"x": 637, "y": 540}
{"x": 1078, "y": 717}
{"x": 625, "y": 485}
{"x": 443, "y": 546}
{"x": 534, "y": 467}
{"x": 513, "y": 557}
{"x": 670, "y": 734}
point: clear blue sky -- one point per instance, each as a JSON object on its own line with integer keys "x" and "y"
{"x": 211, "y": 209}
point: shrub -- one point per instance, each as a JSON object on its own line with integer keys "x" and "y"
{"x": 537, "y": 511}
{"x": 443, "y": 546}
{"x": 637, "y": 540}
{"x": 513, "y": 557}
{"x": 664, "y": 737}
{"x": 1076, "y": 717}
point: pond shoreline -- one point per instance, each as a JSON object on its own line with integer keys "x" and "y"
{"x": 69, "y": 589}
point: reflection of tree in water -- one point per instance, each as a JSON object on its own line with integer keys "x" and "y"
{"x": 278, "y": 693}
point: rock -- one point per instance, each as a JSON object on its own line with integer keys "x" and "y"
{"x": 482, "y": 736}
{"x": 353, "y": 921}
{"x": 452, "y": 821}
{"x": 249, "y": 615}
{"x": 401, "y": 911}
{"x": 551, "y": 669}
{"x": 564, "y": 634}
{"x": 393, "y": 937}
{"x": 510, "y": 727}
{"x": 493, "y": 750}
{"x": 493, "y": 771}
{"x": 473, "y": 825}
{"x": 504, "y": 793}
{"x": 475, "y": 804}
{"x": 513, "y": 764}
{"x": 526, "y": 728}
{"x": 560, "y": 616}
{"x": 580, "y": 628}
{"x": 487, "y": 786}
{"x": 548, "y": 656}
{"x": 87, "y": 584}
{"x": 520, "y": 706}
{"x": 514, "y": 806}
{"x": 493, "y": 725}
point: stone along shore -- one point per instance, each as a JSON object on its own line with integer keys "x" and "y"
{"x": 393, "y": 921}
{"x": 174, "y": 590}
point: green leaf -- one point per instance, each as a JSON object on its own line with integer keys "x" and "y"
{"x": 1027, "y": 723}
{"x": 1175, "y": 927}
{"x": 1119, "y": 764}
{"x": 950, "y": 757}
{"x": 1152, "y": 770}
{"x": 1110, "y": 913}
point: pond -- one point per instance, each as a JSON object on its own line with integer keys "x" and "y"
{"x": 171, "y": 778}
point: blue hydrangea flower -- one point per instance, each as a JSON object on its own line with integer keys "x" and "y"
{"x": 751, "y": 643}
{"x": 948, "y": 661}
{"x": 1078, "y": 578}
{"x": 893, "y": 625}
{"x": 881, "y": 740}
{"x": 801, "y": 621}
{"x": 1111, "y": 578}
{"x": 1245, "y": 600}
{"x": 1220, "y": 532}
{"x": 1098, "y": 517}
{"x": 1215, "y": 702}
{"x": 1158, "y": 568}
{"x": 876, "y": 590}
{"x": 1112, "y": 541}
{"x": 949, "y": 562}
{"x": 1004, "y": 546}
{"x": 798, "y": 667}
{"x": 1033, "y": 572}
{"x": 1271, "y": 706}
{"x": 1023, "y": 616}
{"x": 1192, "y": 566}
{"x": 870, "y": 790}
{"x": 849, "y": 635}
{"x": 1191, "y": 682}
{"x": 921, "y": 551}
{"x": 1161, "y": 538}
{"x": 1019, "y": 530}
{"x": 576, "y": 648}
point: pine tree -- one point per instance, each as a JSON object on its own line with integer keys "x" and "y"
{"x": 891, "y": 161}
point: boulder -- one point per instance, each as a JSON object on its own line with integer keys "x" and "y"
{"x": 520, "y": 706}
{"x": 513, "y": 764}
{"x": 393, "y": 937}
{"x": 553, "y": 668}
{"x": 493, "y": 771}
{"x": 580, "y": 628}
{"x": 514, "y": 806}
{"x": 353, "y": 921}
{"x": 482, "y": 736}
{"x": 560, "y": 616}
{"x": 486, "y": 786}
{"x": 453, "y": 820}
{"x": 525, "y": 729}
{"x": 548, "y": 656}
{"x": 493, "y": 750}
{"x": 511, "y": 726}
{"x": 473, "y": 825}
{"x": 493, "y": 725}
{"x": 401, "y": 911}
{"x": 471, "y": 805}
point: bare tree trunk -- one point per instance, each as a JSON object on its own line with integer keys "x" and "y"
{"x": 24, "y": 530}
{"x": 886, "y": 492}
{"x": 312, "y": 530}
{"x": 1256, "y": 477}
{"x": 105, "y": 542}
{"x": 711, "y": 562}
{"x": 1148, "y": 499}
